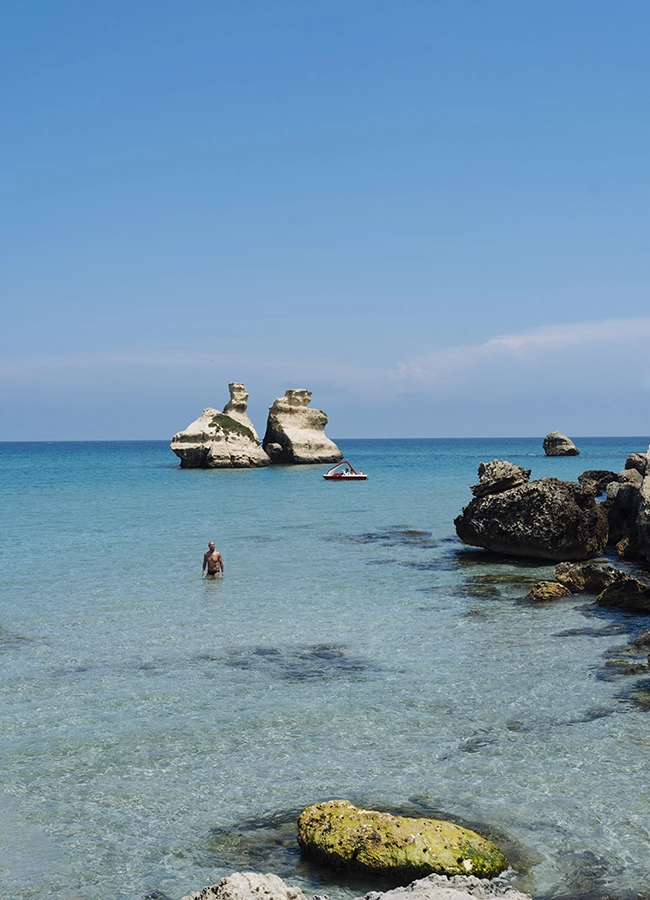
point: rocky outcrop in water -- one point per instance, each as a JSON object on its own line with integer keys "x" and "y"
{"x": 342, "y": 836}
{"x": 295, "y": 433}
{"x": 547, "y": 519}
{"x": 251, "y": 886}
{"x": 218, "y": 440}
{"x": 558, "y": 444}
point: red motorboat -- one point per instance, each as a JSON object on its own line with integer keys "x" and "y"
{"x": 344, "y": 471}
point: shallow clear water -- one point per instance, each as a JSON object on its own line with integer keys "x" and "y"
{"x": 160, "y": 731}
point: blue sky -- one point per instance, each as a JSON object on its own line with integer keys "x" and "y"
{"x": 434, "y": 215}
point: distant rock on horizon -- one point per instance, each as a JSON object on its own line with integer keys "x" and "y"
{"x": 221, "y": 440}
{"x": 296, "y": 433}
{"x": 558, "y": 444}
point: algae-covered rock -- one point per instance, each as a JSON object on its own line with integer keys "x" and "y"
{"x": 339, "y": 834}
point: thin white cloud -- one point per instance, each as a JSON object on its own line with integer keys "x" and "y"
{"x": 599, "y": 355}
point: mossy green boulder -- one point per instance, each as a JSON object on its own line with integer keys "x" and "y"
{"x": 344, "y": 837}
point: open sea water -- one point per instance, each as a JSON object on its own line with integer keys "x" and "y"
{"x": 160, "y": 731}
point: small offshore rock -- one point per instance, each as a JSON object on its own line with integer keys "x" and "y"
{"x": 591, "y": 577}
{"x": 628, "y": 594}
{"x": 497, "y": 476}
{"x": 558, "y": 444}
{"x": 546, "y": 519}
{"x": 296, "y": 433}
{"x": 457, "y": 887}
{"x": 249, "y": 886}
{"x": 340, "y": 835}
{"x": 548, "y": 590}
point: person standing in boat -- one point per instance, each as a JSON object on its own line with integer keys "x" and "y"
{"x": 212, "y": 562}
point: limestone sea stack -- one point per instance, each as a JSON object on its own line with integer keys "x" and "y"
{"x": 221, "y": 440}
{"x": 296, "y": 434}
{"x": 548, "y": 518}
{"x": 558, "y": 444}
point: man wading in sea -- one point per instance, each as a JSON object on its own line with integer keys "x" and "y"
{"x": 213, "y": 561}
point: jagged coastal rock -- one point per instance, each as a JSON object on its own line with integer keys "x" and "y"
{"x": 341, "y": 835}
{"x": 558, "y": 444}
{"x": 251, "y": 886}
{"x": 547, "y": 519}
{"x": 296, "y": 433}
{"x": 628, "y": 508}
{"x": 218, "y": 440}
{"x": 498, "y": 476}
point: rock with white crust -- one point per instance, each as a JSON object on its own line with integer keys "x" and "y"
{"x": 221, "y": 440}
{"x": 249, "y": 886}
{"x": 296, "y": 434}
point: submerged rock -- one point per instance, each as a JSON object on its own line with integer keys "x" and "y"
{"x": 218, "y": 440}
{"x": 296, "y": 433}
{"x": 548, "y": 590}
{"x": 547, "y": 519}
{"x": 558, "y": 444}
{"x": 362, "y": 840}
{"x": 591, "y": 577}
{"x": 249, "y": 886}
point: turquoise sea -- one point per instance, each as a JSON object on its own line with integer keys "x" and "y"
{"x": 160, "y": 731}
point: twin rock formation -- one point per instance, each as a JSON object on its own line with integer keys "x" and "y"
{"x": 219, "y": 440}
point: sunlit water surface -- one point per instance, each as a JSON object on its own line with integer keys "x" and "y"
{"x": 160, "y": 731}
